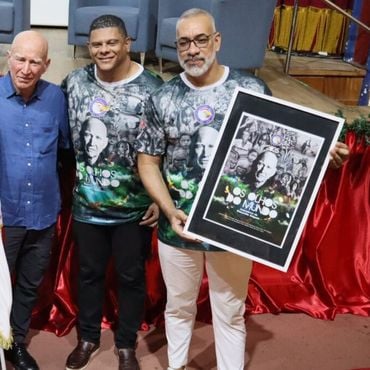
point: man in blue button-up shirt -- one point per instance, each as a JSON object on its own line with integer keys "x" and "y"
{"x": 33, "y": 125}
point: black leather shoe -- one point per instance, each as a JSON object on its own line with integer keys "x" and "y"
{"x": 81, "y": 355}
{"x": 20, "y": 358}
{"x": 127, "y": 359}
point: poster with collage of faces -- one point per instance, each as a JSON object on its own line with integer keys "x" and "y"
{"x": 263, "y": 177}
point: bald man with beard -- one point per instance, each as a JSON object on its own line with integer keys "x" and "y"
{"x": 203, "y": 90}
{"x": 33, "y": 127}
{"x": 205, "y": 87}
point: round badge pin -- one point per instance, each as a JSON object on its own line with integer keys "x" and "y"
{"x": 204, "y": 114}
{"x": 99, "y": 107}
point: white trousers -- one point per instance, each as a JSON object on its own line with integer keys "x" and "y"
{"x": 228, "y": 276}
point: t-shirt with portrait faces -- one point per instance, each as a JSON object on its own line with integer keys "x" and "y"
{"x": 179, "y": 110}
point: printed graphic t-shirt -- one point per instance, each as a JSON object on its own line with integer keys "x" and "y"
{"x": 104, "y": 120}
{"x": 181, "y": 122}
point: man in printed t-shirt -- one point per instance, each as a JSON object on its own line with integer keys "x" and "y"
{"x": 195, "y": 102}
{"x": 112, "y": 212}
{"x": 203, "y": 91}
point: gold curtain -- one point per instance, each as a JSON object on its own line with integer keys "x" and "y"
{"x": 317, "y": 29}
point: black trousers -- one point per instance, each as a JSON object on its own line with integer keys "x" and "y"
{"x": 129, "y": 245}
{"x": 28, "y": 255}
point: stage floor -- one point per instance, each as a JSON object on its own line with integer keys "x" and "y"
{"x": 274, "y": 342}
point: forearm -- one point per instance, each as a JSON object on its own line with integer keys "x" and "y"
{"x": 151, "y": 176}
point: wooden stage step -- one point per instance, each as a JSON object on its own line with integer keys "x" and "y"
{"x": 333, "y": 77}
{"x": 288, "y": 87}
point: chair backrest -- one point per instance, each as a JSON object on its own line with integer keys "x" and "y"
{"x": 14, "y": 17}
{"x": 243, "y": 24}
{"x": 139, "y": 16}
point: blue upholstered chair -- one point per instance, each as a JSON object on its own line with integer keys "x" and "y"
{"x": 140, "y": 17}
{"x": 243, "y": 24}
{"x": 14, "y": 18}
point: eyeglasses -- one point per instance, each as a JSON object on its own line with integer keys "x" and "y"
{"x": 200, "y": 41}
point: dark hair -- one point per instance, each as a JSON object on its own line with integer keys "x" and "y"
{"x": 265, "y": 137}
{"x": 252, "y": 151}
{"x": 287, "y": 174}
{"x": 124, "y": 142}
{"x": 106, "y": 21}
{"x": 294, "y": 182}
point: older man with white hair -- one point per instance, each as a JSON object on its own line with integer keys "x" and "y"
{"x": 33, "y": 127}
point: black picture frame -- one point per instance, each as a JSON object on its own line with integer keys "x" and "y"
{"x": 258, "y": 210}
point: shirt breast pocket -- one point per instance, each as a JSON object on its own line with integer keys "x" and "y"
{"x": 48, "y": 139}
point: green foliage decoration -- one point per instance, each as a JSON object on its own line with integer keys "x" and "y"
{"x": 360, "y": 126}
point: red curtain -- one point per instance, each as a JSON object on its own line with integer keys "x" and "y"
{"x": 330, "y": 273}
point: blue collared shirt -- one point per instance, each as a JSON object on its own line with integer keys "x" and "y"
{"x": 30, "y": 135}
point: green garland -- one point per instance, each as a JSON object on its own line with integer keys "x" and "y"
{"x": 360, "y": 126}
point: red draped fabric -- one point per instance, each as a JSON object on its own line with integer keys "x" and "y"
{"x": 330, "y": 273}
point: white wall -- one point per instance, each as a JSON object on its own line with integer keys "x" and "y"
{"x": 49, "y": 12}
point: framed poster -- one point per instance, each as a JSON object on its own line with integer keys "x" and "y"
{"x": 260, "y": 185}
